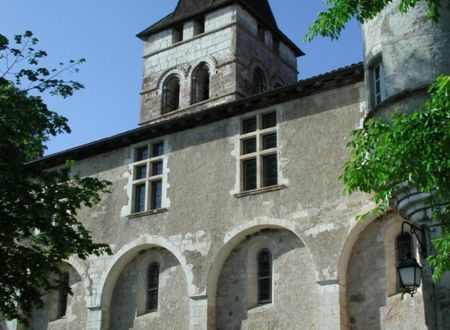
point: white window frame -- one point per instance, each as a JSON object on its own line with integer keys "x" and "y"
{"x": 379, "y": 94}
{"x": 259, "y": 154}
{"x": 149, "y": 177}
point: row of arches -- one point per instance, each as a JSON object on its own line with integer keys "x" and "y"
{"x": 276, "y": 266}
{"x": 200, "y": 90}
{"x": 200, "y": 86}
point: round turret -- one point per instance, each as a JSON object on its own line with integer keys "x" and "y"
{"x": 403, "y": 54}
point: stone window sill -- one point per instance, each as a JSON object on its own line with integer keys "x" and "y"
{"x": 260, "y": 191}
{"x": 261, "y": 308}
{"x": 146, "y": 213}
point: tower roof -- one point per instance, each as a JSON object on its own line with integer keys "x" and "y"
{"x": 187, "y": 9}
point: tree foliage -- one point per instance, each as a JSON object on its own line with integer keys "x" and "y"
{"x": 408, "y": 148}
{"x": 38, "y": 208}
{"x": 331, "y": 22}
{"x": 413, "y": 149}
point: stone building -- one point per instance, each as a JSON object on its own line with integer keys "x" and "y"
{"x": 225, "y": 211}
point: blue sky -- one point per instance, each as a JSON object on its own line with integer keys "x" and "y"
{"x": 103, "y": 32}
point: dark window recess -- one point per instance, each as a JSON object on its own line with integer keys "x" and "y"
{"x": 199, "y": 26}
{"x": 249, "y": 146}
{"x": 177, "y": 34}
{"x": 158, "y": 149}
{"x": 141, "y": 172}
{"x": 259, "y": 81}
{"x": 249, "y": 174}
{"x": 261, "y": 33}
{"x": 139, "y": 195}
{"x": 200, "y": 83}
{"x": 404, "y": 246}
{"x": 269, "y": 141}
{"x": 152, "y": 287}
{"x": 249, "y": 125}
{"x": 63, "y": 296}
{"x": 264, "y": 277}
{"x": 270, "y": 171}
{"x": 156, "y": 194}
{"x": 171, "y": 94}
{"x": 141, "y": 153}
{"x": 157, "y": 168}
{"x": 269, "y": 120}
{"x": 276, "y": 46}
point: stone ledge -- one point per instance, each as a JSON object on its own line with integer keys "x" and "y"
{"x": 143, "y": 214}
{"x": 260, "y": 191}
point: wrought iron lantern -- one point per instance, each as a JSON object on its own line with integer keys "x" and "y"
{"x": 409, "y": 270}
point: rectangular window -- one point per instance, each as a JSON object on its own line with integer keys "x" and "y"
{"x": 148, "y": 171}
{"x": 261, "y": 33}
{"x": 378, "y": 84}
{"x": 259, "y": 151}
{"x": 177, "y": 34}
{"x": 199, "y": 26}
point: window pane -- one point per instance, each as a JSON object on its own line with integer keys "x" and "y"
{"x": 265, "y": 290}
{"x": 269, "y": 120}
{"x": 141, "y": 172}
{"x": 141, "y": 153}
{"x": 377, "y": 73}
{"x": 158, "y": 149}
{"x": 270, "y": 171}
{"x": 156, "y": 194}
{"x": 264, "y": 264}
{"x": 139, "y": 194}
{"x": 249, "y": 125}
{"x": 269, "y": 141}
{"x": 249, "y": 146}
{"x": 63, "y": 297}
{"x": 249, "y": 169}
{"x": 157, "y": 168}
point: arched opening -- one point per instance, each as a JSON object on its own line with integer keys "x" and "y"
{"x": 251, "y": 284}
{"x": 200, "y": 83}
{"x": 145, "y": 287}
{"x": 171, "y": 94}
{"x": 259, "y": 81}
{"x": 68, "y": 311}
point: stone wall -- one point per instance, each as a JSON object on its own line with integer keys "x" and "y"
{"x": 208, "y": 217}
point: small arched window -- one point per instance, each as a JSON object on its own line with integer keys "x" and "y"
{"x": 63, "y": 296}
{"x": 152, "y": 287}
{"x": 404, "y": 250}
{"x": 404, "y": 246}
{"x": 171, "y": 94}
{"x": 264, "y": 277}
{"x": 200, "y": 83}
{"x": 259, "y": 81}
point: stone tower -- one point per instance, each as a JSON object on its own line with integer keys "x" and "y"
{"x": 209, "y": 52}
{"x": 403, "y": 54}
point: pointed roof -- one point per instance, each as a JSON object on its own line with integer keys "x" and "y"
{"x": 187, "y": 9}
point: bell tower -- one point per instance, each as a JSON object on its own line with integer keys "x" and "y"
{"x": 209, "y": 52}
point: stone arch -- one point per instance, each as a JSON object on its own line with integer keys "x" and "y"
{"x": 368, "y": 284}
{"x": 200, "y": 83}
{"x": 344, "y": 258}
{"x": 177, "y": 71}
{"x": 233, "y": 238}
{"x": 122, "y": 258}
{"x": 211, "y": 61}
